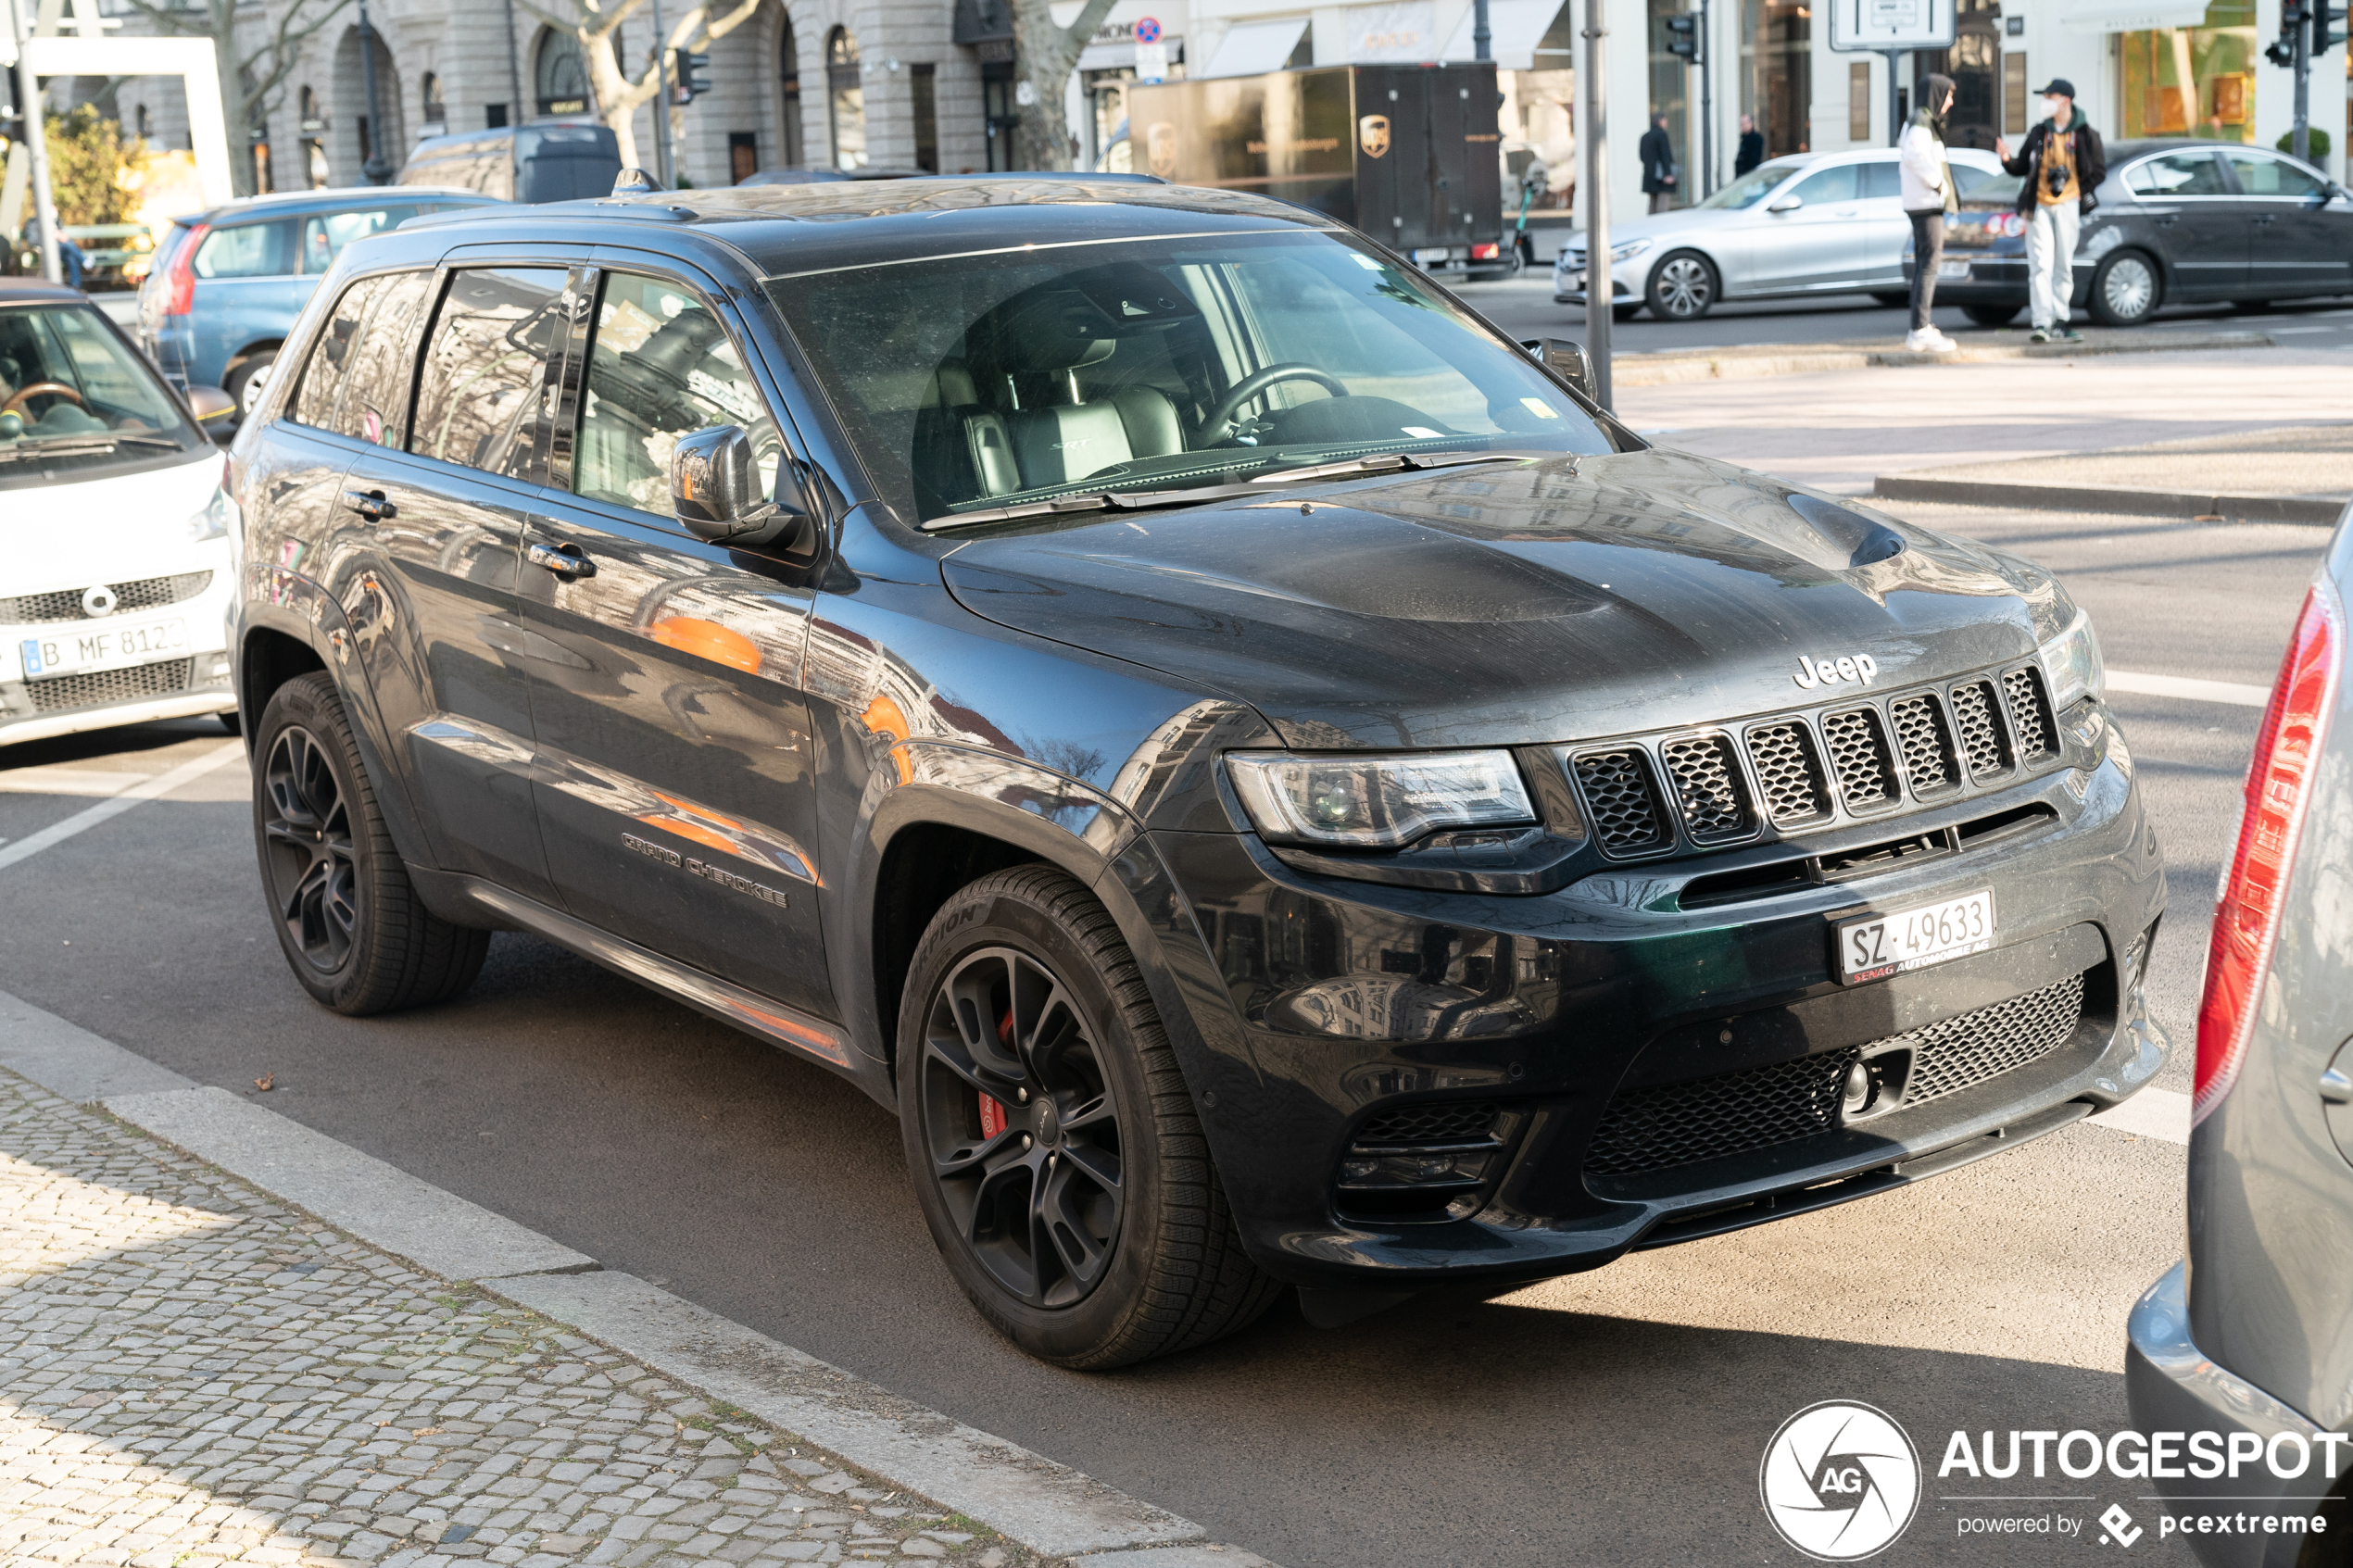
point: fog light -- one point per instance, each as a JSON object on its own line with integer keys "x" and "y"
{"x": 1861, "y": 1089}
{"x": 1422, "y": 1171}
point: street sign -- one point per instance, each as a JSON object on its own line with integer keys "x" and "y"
{"x": 1147, "y": 30}
{"x": 1879, "y": 26}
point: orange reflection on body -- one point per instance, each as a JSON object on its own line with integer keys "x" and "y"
{"x": 883, "y": 718}
{"x": 707, "y": 639}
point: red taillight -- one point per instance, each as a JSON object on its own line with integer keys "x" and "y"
{"x": 1485, "y": 253}
{"x": 2247, "y": 916}
{"x": 179, "y": 281}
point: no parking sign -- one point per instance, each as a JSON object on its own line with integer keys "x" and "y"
{"x": 1147, "y": 30}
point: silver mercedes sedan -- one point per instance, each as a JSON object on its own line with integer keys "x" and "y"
{"x": 1810, "y": 223}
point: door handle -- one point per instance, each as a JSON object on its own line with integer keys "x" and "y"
{"x": 370, "y": 504}
{"x": 2169, "y": 220}
{"x": 565, "y": 560}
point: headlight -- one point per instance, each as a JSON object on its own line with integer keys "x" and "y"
{"x": 1629, "y": 251}
{"x": 214, "y": 522}
{"x": 2072, "y": 663}
{"x": 1376, "y": 802}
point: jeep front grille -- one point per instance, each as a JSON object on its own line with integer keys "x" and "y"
{"x": 2031, "y": 718}
{"x": 1706, "y": 773}
{"x": 1982, "y": 737}
{"x": 1624, "y": 806}
{"x": 1926, "y": 745}
{"x": 1789, "y": 771}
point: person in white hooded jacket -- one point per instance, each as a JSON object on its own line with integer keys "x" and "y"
{"x": 1927, "y": 183}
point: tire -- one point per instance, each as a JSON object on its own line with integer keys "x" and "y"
{"x": 352, "y": 927}
{"x": 1682, "y": 287}
{"x": 1990, "y": 315}
{"x": 2127, "y": 290}
{"x": 1892, "y": 299}
{"x": 1147, "y": 1261}
{"x": 247, "y": 382}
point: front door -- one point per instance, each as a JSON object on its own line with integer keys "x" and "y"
{"x": 674, "y": 754}
{"x": 2297, "y": 237}
{"x": 1818, "y": 243}
{"x": 2198, "y": 219}
{"x": 446, "y": 518}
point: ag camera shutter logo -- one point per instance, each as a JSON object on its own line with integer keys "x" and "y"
{"x": 1840, "y": 1481}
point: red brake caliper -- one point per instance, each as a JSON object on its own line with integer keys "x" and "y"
{"x": 992, "y": 1110}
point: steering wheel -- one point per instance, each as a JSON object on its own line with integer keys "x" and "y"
{"x": 1221, "y": 418}
{"x": 14, "y": 404}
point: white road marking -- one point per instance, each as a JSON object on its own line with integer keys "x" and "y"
{"x": 2228, "y": 691}
{"x": 2151, "y": 1113}
{"x": 162, "y": 784}
{"x": 2282, "y": 332}
{"x": 66, "y": 781}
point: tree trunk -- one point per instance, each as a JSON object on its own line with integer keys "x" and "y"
{"x": 1046, "y": 55}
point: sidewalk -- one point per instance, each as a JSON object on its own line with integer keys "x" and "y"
{"x": 2293, "y": 474}
{"x": 197, "y": 1374}
{"x": 1674, "y": 367}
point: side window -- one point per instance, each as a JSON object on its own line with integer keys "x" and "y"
{"x": 248, "y": 250}
{"x": 322, "y": 376}
{"x": 1884, "y": 179}
{"x": 325, "y": 233}
{"x": 660, "y": 367}
{"x": 2178, "y": 174}
{"x": 1829, "y": 185}
{"x": 2260, "y": 176}
{"x": 375, "y": 399}
{"x": 479, "y": 402}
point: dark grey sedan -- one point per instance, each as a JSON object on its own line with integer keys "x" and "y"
{"x": 2242, "y": 1353}
{"x": 2175, "y": 221}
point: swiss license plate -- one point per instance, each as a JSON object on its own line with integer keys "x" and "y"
{"x": 1951, "y": 269}
{"x": 105, "y": 647}
{"x": 1874, "y": 946}
{"x": 1424, "y": 257}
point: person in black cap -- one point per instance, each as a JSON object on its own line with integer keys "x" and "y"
{"x": 2063, "y": 164}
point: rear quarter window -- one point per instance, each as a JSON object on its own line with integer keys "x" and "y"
{"x": 325, "y": 233}
{"x": 248, "y": 250}
{"x": 356, "y": 382}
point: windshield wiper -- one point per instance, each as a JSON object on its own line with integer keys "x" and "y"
{"x": 1091, "y": 501}
{"x": 81, "y": 445}
{"x": 1394, "y": 462}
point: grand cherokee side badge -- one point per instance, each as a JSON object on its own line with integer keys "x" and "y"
{"x": 707, "y": 871}
{"x": 1859, "y": 667}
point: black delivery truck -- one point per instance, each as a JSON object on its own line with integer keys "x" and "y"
{"x": 1408, "y": 154}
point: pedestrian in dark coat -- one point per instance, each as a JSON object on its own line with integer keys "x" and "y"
{"x": 1752, "y": 149}
{"x": 1658, "y": 152}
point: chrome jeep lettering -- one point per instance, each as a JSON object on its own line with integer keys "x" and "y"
{"x": 1859, "y": 669}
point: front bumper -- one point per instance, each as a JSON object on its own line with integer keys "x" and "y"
{"x": 2174, "y": 1389}
{"x": 192, "y": 681}
{"x": 1627, "y": 279}
{"x": 1337, "y": 1008}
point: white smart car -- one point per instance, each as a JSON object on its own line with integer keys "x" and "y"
{"x": 115, "y": 528}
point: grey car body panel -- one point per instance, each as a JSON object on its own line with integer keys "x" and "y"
{"x": 1065, "y": 689}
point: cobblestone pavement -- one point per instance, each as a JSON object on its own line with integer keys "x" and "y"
{"x": 191, "y": 1374}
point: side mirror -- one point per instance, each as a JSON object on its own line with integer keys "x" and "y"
{"x": 1787, "y": 204}
{"x": 714, "y": 490}
{"x": 1565, "y": 359}
{"x": 212, "y": 407}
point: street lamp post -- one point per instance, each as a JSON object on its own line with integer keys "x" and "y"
{"x": 36, "y": 137}
{"x": 377, "y": 169}
{"x": 1600, "y": 294}
{"x": 1482, "y": 41}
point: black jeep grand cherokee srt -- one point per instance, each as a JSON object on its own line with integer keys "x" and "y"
{"x": 1273, "y": 785}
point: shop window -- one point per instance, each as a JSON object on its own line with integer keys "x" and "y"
{"x": 1858, "y": 101}
{"x": 846, "y": 99}
{"x": 437, "y": 112}
{"x": 743, "y": 156}
{"x": 997, "y": 113}
{"x": 1671, "y": 96}
{"x": 2193, "y": 81}
{"x": 1777, "y": 73}
{"x": 2016, "y": 95}
{"x": 560, "y": 73}
{"x": 924, "y": 81}
{"x": 789, "y": 89}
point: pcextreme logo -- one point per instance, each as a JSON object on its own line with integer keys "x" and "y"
{"x": 1840, "y": 1481}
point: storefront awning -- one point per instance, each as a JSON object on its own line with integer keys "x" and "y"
{"x": 1251, "y": 48}
{"x": 1515, "y": 28}
{"x": 2131, "y": 16}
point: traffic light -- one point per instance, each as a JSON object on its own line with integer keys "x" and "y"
{"x": 689, "y": 74}
{"x": 2283, "y": 48}
{"x": 2324, "y": 34}
{"x": 1682, "y": 37}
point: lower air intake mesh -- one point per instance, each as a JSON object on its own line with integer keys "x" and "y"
{"x": 60, "y": 691}
{"x": 1459, "y": 1123}
{"x": 1961, "y": 1052}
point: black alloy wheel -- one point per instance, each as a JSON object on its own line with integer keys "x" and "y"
{"x": 306, "y": 854}
{"x": 2127, "y": 290}
{"x": 1055, "y": 1148}
{"x": 1022, "y": 1132}
{"x": 1682, "y": 287}
{"x": 355, "y": 932}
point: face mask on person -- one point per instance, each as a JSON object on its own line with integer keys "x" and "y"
{"x": 2057, "y": 105}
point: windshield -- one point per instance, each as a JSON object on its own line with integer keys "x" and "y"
{"x": 1754, "y": 186}
{"x": 74, "y": 397}
{"x": 981, "y": 382}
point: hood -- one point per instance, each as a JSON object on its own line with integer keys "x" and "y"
{"x": 1563, "y": 600}
{"x": 1651, "y": 227}
{"x": 108, "y": 528}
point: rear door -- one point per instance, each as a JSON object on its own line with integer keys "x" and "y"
{"x": 675, "y": 788}
{"x": 2299, "y": 241}
{"x": 445, "y": 517}
{"x": 2198, "y": 219}
{"x": 249, "y": 288}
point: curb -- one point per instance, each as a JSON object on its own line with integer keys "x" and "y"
{"x": 2093, "y": 498}
{"x": 1039, "y": 1503}
{"x": 1677, "y": 367}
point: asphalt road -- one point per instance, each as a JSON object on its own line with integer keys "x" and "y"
{"x": 1615, "y": 1417}
{"x": 1524, "y": 307}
